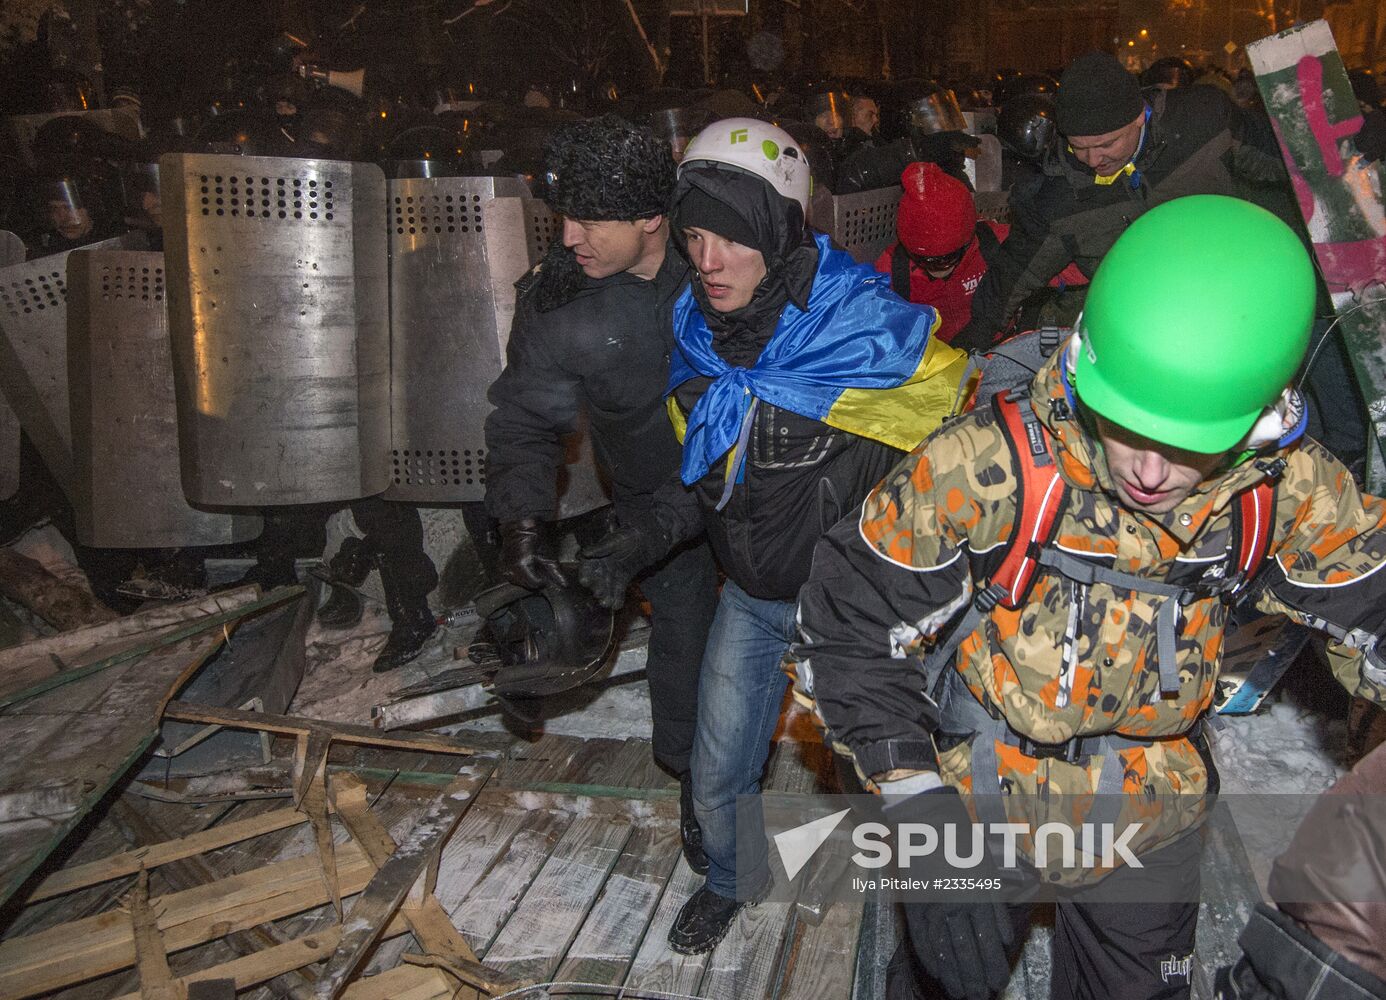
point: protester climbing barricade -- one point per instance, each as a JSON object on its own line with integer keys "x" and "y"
{"x": 124, "y": 423}
{"x": 279, "y": 316}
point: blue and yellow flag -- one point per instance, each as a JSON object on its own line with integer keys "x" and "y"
{"x": 860, "y": 359}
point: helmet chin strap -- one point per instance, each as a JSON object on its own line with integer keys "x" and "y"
{"x": 1280, "y": 425}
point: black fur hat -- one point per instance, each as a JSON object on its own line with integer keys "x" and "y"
{"x": 607, "y": 168}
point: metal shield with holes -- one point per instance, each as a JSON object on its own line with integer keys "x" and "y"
{"x": 279, "y": 318}
{"x": 128, "y": 492}
{"x": 11, "y": 252}
{"x": 863, "y": 224}
{"x": 457, "y": 247}
{"x": 33, "y": 352}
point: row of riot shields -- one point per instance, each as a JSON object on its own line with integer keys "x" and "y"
{"x": 312, "y": 333}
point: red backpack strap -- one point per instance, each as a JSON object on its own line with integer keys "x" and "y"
{"x": 1254, "y": 532}
{"x": 1042, "y": 493}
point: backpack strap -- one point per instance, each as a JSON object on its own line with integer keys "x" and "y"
{"x": 1042, "y": 495}
{"x": 1254, "y": 530}
{"x": 900, "y": 271}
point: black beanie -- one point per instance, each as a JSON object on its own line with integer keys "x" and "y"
{"x": 700, "y": 210}
{"x": 1096, "y": 96}
{"x": 606, "y": 169}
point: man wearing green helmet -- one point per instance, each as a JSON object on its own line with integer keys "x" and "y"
{"x": 1029, "y": 611}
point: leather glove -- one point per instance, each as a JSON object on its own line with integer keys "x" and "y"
{"x": 608, "y": 565}
{"x": 527, "y": 558}
{"x": 948, "y": 149}
{"x": 965, "y": 945}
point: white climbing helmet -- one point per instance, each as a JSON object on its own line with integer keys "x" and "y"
{"x": 758, "y": 148}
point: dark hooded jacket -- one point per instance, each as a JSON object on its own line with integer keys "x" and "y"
{"x": 1197, "y": 142}
{"x": 582, "y": 344}
{"x": 800, "y": 474}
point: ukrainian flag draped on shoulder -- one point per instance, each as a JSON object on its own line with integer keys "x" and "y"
{"x": 861, "y": 359}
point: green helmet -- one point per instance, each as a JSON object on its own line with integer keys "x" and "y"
{"x": 1195, "y": 321}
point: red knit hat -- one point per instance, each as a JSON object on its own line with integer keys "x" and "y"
{"x": 936, "y": 214}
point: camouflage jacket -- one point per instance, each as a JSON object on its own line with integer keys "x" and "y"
{"x": 889, "y": 582}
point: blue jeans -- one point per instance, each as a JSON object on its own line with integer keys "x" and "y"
{"x": 739, "y": 696}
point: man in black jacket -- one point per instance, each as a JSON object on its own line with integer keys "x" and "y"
{"x": 1117, "y": 157}
{"x": 592, "y": 332}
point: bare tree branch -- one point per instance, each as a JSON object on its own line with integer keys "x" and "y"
{"x": 654, "y": 55}
{"x": 476, "y": 6}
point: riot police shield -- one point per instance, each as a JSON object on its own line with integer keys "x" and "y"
{"x": 279, "y": 318}
{"x": 33, "y": 352}
{"x": 127, "y": 489}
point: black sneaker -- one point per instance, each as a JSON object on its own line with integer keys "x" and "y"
{"x": 690, "y": 833}
{"x": 703, "y": 921}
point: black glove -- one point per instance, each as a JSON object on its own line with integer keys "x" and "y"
{"x": 948, "y": 149}
{"x": 608, "y": 565}
{"x": 965, "y": 945}
{"x": 527, "y": 559}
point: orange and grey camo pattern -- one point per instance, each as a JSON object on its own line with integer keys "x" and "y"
{"x": 954, "y": 497}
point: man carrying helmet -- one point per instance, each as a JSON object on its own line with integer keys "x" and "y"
{"x": 1153, "y": 472}
{"x": 592, "y": 333}
{"x": 797, "y": 380}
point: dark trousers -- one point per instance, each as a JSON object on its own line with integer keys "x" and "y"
{"x": 392, "y": 533}
{"x": 1131, "y": 937}
{"x": 682, "y": 592}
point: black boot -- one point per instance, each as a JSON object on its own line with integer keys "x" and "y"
{"x": 690, "y": 833}
{"x": 703, "y": 921}
{"x": 347, "y": 570}
{"x": 410, "y": 628}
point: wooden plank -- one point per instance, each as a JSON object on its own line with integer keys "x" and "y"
{"x": 657, "y": 967}
{"x": 96, "y": 749}
{"x": 408, "y": 982}
{"x": 59, "y": 602}
{"x": 820, "y": 963}
{"x": 67, "y": 646}
{"x": 604, "y": 948}
{"x": 156, "y": 981}
{"x": 288, "y": 725}
{"x": 16, "y": 690}
{"x": 481, "y": 839}
{"x": 746, "y": 963}
{"x": 547, "y": 759}
{"x": 393, "y": 881}
{"x": 429, "y": 922}
{"x": 535, "y": 938}
{"x": 152, "y": 856}
{"x": 73, "y": 952}
{"x": 486, "y": 908}
{"x": 633, "y": 766}
{"x": 145, "y": 826}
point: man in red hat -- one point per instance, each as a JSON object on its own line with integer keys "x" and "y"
{"x": 943, "y": 250}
